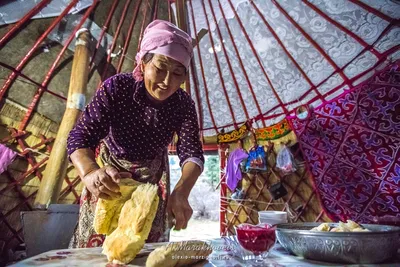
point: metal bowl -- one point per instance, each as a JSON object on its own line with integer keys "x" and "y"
{"x": 376, "y": 246}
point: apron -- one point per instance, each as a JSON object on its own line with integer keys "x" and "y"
{"x": 154, "y": 171}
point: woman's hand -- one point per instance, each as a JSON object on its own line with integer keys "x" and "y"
{"x": 103, "y": 182}
{"x": 178, "y": 207}
{"x": 178, "y": 210}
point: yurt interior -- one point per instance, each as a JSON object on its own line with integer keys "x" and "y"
{"x": 200, "y": 133}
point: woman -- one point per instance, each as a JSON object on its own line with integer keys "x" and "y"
{"x": 133, "y": 118}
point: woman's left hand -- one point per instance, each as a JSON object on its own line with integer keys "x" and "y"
{"x": 178, "y": 210}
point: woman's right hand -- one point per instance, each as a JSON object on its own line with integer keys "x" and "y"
{"x": 103, "y": 182}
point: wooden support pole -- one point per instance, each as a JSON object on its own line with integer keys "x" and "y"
{"x": 57, "y": 164}
{"x": 181, "y": 15}
{"x": 223, "y": 157}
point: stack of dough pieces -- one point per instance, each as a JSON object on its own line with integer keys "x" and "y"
{"x": 127, "y": 222}
{"x": 349, "y": 226}
{"x": 182, "y": 253}
{"x": 134, "y": 216}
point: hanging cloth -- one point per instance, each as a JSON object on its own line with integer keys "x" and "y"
{"x": 7, "y": 156}
{"x": 233, "y": 173}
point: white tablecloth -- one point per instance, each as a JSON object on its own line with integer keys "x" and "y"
{"x": 220, "y": 257}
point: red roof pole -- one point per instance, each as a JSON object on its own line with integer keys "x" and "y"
{"x": 155, "y": 16}
{"x": 169, "y": 11}
{"x": 196, "y": 90}
{"x": 229, "y": 62}
{"x": 199, "y": 105}
{"x": 143, "y": 25}
{"x": 374, "y": 11}
{"x": 202, "y": 71}
{"x": 21, "y": 65}
{"x": 313, "y": 87}
{"x": 218, "y": 66}
{"x": 182, "y": 24}
{"x": 383, "y": 56}
{"x": 223, "y": 151}
{"x": 32, "y": 81}
{"x": 22, "y": 21}
{"x": 117, "y": 31}
{"x": 241, "y": 63}
{"x": 281, "y": 104}
{"x": 46, "y": 80}
{"x": 311, "y": 40}
{"x": 103, "y": 31}
{"x": 342, "y": 28}
{"x": 128, "y": 37}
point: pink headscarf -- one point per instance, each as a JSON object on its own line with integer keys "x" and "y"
{"x": 163, "y": 37}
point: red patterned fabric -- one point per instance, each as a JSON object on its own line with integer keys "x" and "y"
{"x": 352, "y": 145}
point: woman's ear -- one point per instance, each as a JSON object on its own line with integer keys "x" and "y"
{"x": 143, "y": 66}
{"x": 184, "y": 79}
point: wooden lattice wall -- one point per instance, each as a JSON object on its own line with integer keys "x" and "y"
{"x": 20, "y": 183}
{"x": 36, "y": 70}
{"x": 301, "y": 199}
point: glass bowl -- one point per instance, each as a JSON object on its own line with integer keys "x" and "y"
{"x": 256, "y": 239}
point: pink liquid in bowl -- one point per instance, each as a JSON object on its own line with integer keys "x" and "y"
{"x": 256, "y": 238}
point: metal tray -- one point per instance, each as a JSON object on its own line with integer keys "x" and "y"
{"x": 376, "y": 246}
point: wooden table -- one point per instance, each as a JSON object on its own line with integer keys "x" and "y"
{"x": 220, "y": 257}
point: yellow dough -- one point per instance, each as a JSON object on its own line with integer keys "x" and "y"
{"x": 349, "y": 226}
{"x": 179, "y": 254}
{"x": 134, "y": 225}
{"x": 323, "y": 227}
{"x": 108, "y": 211}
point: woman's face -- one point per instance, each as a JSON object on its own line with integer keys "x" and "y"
{"x": 163, "y": 77}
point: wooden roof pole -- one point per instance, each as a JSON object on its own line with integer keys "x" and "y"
{"x": 57, "y": 164}
{"x": 223, "y": 152}
{"x": 181, "y": 14}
